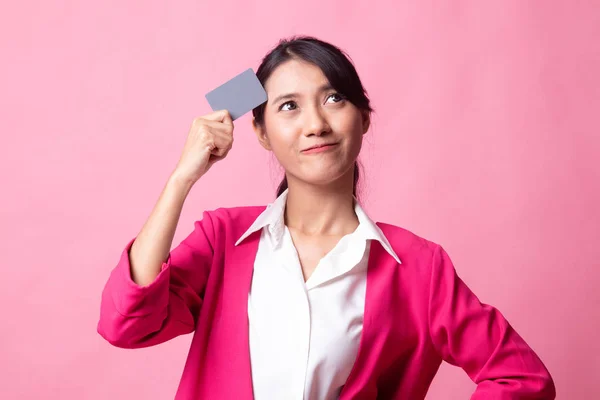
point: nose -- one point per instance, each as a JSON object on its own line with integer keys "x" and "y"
{"x": 316, "y": 123}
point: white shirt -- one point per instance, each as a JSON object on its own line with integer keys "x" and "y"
{"x": 304, "y": 337}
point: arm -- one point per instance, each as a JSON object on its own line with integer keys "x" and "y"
{"x": 480, "y": 340}
{"x": 133, "y": 316}
{"x": 152, "y": 295}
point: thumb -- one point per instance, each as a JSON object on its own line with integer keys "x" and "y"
{"x": 227, "y": 118}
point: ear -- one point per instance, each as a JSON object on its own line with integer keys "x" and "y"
{"x": 366, "y": 118}
{"x": 261, "y": 134}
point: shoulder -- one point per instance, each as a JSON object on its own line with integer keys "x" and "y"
{"x": 407, "y": 244}
{"x": 231, "y": 222}
{"x": 236, "y": 214}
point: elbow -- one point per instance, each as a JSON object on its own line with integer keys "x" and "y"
{"x": 538, "y": 386}
{"x": 548, "y": 389}
{"x": 119, "y": 331}
{"x": 115, "y": 337}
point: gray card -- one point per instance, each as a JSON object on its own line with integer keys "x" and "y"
{"x": 238, "y": 95}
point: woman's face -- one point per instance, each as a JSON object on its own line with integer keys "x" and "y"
{"x": 313, "y": 131}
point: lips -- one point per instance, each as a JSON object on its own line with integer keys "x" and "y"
{"x": 319, "y": 147}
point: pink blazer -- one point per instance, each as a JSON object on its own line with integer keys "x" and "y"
{"x": 417, "y": 314}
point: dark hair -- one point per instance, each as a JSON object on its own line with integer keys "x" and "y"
{"x": 336, "y": 66}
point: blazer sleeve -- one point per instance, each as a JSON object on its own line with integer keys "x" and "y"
{"x": 133, "y": 316}
{"x": 477, "y": 338}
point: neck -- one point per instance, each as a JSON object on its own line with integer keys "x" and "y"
{"x": 321, "y": 210}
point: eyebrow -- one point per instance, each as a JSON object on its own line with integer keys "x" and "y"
{"x": 287, "y": 96}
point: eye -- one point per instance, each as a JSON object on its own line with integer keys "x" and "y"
{"x": 336, "y": 96}
{"x": 288, "y": 106}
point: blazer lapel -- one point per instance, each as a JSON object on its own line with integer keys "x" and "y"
{"x": 233, "y": 325}
{"x": 377, "y": 324}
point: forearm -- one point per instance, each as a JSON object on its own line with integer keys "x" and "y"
{"x": 479, "y": 339}
{"x": 153, "y": 243}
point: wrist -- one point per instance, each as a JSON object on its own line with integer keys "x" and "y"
{"x": 180, "y": 182}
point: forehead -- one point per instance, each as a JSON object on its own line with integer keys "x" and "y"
{"x": 295, "y": 76}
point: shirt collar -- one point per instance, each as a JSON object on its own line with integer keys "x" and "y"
{"x": 370, "y": 231}
{"x": 273, "y": 218}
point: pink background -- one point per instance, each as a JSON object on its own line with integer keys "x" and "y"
{"x": 486, "y": 140}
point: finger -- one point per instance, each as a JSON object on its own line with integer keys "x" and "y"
{"x": 222, "y": 140}
{"x": 219, "y": 116}
{"x": 220, "y": 151}
{"x": 218, "y": 127}
{"x": 223, "y": 134}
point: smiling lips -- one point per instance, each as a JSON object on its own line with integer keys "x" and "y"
{"x": 320, "y": 148}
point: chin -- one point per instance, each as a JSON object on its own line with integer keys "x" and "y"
{"x": 324, "y": 179}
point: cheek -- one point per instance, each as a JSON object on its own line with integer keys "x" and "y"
{"x": 281, "y": 137}
{"x": 351, "y": 126}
